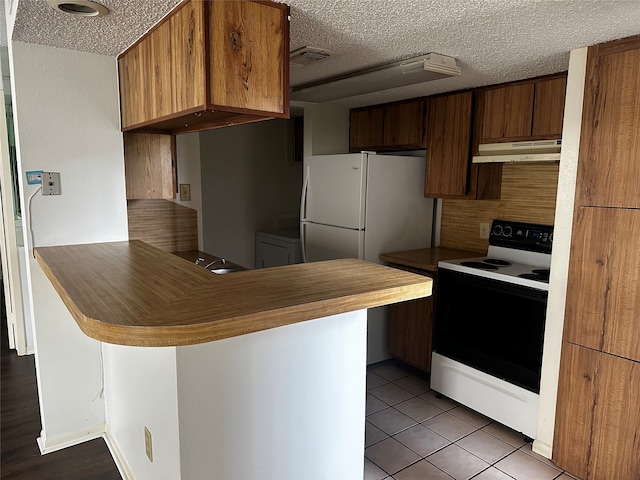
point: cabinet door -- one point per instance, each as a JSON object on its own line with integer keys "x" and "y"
{"x": 609, "y": 162}
{"x": 148, "y": 166}
{"x": 187, "y": 57}
{"x": 404, "y": 124}
{"x": 448, "y": 145}
{"x": 548, "y": 107}
{"x": 158, "y": 86}
{"x": 131, "y": 73}
{"x": 249, "y": 50}
{"x": 410, "y": 331}
{"x": 366, "y": 127}
{"x": 603, "y": 293}
{"x": 508, "y": 112}
{"x": 597, "y": 415}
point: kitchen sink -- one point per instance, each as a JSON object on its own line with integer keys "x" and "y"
{"x": 221, "y": 271}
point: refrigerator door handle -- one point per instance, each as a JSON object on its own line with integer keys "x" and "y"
{"x": 303, "y": 200}
{"x": 303, "y": 242}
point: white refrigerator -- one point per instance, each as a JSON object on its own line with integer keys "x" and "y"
{"x": 358, "y": 206}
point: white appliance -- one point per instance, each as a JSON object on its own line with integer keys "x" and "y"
{"x": 529, "y": 151}
{"x": 358, "y": 206}
{"x": 277, "y": 247}
{"x": 489, "y": 325}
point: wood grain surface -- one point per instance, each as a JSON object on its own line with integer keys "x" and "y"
{"x": 427, "y": 258}
{"x": 130, "y": 293}
{"x": 163, "y": 224}
{"x": 528, "y": 195}
{"x": 148, "y": 165}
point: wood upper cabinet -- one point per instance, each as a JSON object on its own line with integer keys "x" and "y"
{"x": 206, "y": 65}
{"x": 393, "y": 126}
{"x": 366, "y": 129}
{"x": 596, "y": 431}
{"x": 523, "y": 111}
{"x": 609, "y": 168}
{"x": 449, "y": 172}
{"x": 410, "y": 328}
{"x": 449, "y": 145}
{"x": 508, "y": 112}
{"x": 404, "y": 124}
{"x": 548, "y": 107}
{"x": 149, "y": 166}
{"x": 188, "y": 58}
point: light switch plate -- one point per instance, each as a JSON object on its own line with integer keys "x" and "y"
{"x": 185, "y": 192}
{"x": 50, "y": 183}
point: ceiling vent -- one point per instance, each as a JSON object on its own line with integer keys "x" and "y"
{"x": 307, "y": 55}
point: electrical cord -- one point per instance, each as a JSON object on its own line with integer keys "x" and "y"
{"x": 33, "y": 247}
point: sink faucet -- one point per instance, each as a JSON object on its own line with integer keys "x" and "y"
{"x": 198, "y": 260}
{"x": 221, "y": 260}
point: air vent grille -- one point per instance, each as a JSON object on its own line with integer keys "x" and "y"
{"x": 307, "y": 55}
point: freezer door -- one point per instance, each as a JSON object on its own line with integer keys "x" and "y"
{"x": 323, "y": 242}
{"x": 334, "y": 190}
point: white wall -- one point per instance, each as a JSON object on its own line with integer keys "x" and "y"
{"x": 141, "y": 391}
{"x": 67, "y": 117}
{"x": 188, "y": 160}
{"x": 563, "y": 225}
{"x": 326, "y": 129}
{"x": 248, "y": 176}
{"x": 280, "y": 404}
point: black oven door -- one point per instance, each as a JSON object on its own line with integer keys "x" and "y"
{"x": 492, "y": 326}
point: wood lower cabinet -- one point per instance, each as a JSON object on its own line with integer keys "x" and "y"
{"x": 149, "y": 166}
{"x": 596, "y": 435}
{"x": 206, "y": 65}
{"x": 411, "y": 329}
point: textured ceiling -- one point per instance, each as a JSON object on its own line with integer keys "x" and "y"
{"x": 493, "y": 40}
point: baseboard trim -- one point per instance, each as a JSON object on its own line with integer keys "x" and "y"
{"x": 118, "y": 457}
{"x": 50, "y": 445}
{"x": 542, "y": 448}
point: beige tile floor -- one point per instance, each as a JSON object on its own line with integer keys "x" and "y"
{"x": 413, "y": 435}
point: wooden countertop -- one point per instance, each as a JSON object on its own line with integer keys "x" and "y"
{"x": 426, "y": 258}
{"x": 131, "y": 293}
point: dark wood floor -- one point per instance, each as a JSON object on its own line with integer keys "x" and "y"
{"x": 20, "y": 426}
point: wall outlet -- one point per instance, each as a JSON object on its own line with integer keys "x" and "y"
{"x": 148, "y": 447}
{"x": 484, "y": 230}
{"x": 50, "y": 183}
{"x": 185, "y": 192}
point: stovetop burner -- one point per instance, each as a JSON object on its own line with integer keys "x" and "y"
{"x": 497, "y": 261}
{"x": 540, "y": 274}
{"x": 482, "y": 265}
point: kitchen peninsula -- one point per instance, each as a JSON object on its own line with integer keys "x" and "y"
{"x": 255, "y": 374}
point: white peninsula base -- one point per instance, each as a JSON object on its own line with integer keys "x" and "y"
{"x": 283, "y": 403}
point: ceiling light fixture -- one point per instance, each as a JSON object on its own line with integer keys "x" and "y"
{"x": 83, "y": 8}
{"x": 423, "y": 68}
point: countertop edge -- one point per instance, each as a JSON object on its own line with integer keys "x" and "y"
{"x": 400, "y": 288}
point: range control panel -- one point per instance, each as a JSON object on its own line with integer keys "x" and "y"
{"x": 522, "y": 236}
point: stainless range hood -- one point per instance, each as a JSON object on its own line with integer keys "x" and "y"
{"x": 538, "y": 151}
